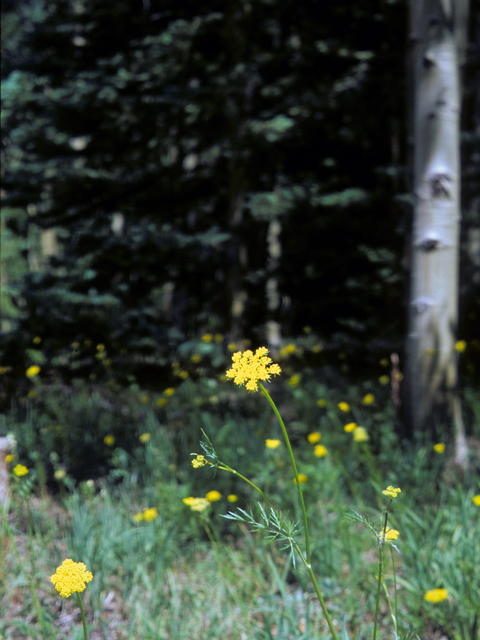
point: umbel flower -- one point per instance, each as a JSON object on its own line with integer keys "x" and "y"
{"x": 71, "y": 577}
{"x": 249, "y": 368}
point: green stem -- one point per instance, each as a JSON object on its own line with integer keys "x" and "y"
{"x": 380, "y": 570}
{"x": 292, "y": 458}
{"x": 84, "y": 622}
{"x": 38, "y": 608}
{"x": 395, "y": 587}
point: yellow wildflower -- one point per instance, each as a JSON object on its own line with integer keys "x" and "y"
{"x": 60, "y": 474}
{"x": 391, "y": 492}
{"x": 8, "y": 458}
{"x": 294, "y": 380}
{"x": 232, "y": 346}
{"x": 37, "y": 340}
{"x": 390, "y": 534}
{"x": 314, "y": 437}
{"x": 169, "y": 392}
{"x": 32, "y": 371}
{"x": 144, "y": 437}
{"x": 218, "y": 337}
{"x": 213, "y": 496}
{"x": 196, "y": 358}
{"x": 460, "y": 346}
{"x": 70, "y": 577}
{"x": 199, "y": 461}
{"x": 100, "y": 347}
{"x": 476, "y": 500}
{"x": 207, "y": 337}
{"x": 302, "y": 478}
{"x": 248, "y": 368}
{"x": 384, "y": 362}
{"x": 436, "y": 595}
{"x": 75, "y": 345}
{"x": 322, "y": 402}
{"x": 150, "y": 514}
{"x": 183, "y": 375}
{"x": 439, "y": 448}
{"x": 384, "y": 380}
{"x": 368, "y": 399}
{"x": 351, "y": 426}
{"x": 109, "y": 440}
{"x": 144, "y": 399}
{"x": 232, "y": 498}
{"x": 320, "y": 451}
{"x": 360, "y": 434}
{"x": 272, "y": 444}
{"x": 161, "y": 402}
{"x": 344, "y": 406}
{"x": 138, "y": 517}
{"x": 20, "y": 470}
{"x": 197, "y": 504}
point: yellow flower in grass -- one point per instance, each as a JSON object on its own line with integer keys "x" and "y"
{"x": 249, "y": 368}
{"x": 71, "y": 577}
{"x": 213, "y": 496}
{"x": 314, "y": 437}
{"x": 302, "y": 478}
{"x": 351, "y": 426}
{"x": 109, "y": 440}
{"x": 272, "y": 444}
{"x": 144, "y": 437}
{"x": 199, "y": 461}
{"x": 20, "y": 470}
{"x": 232, "y": 498}
{"x": 138, "y": 517}
{"x": 196, "y": 358}
{"x": 150, "y": 514}
{"x": 384, "y": 380}
{"x": 100, "y": 347}
{"x": 169, "y": 392}
{"x": 207, "y": 337}
{"x": 368, "y": 399}
{"x": 390, "y": 534}
{"x": 161, "y": 402}
{"x": 294, "y": 380}
{"x": 32, "y": 371}
{"x": 322, "y": 402}
{"x": 8, "y": 458}
{"x": 436, "y": 595}
{"x": 344, "y": 406}
{"x": 320, "y": 451}
{"x": 476, "y": 500}
{"x": 37, "y": 340}
{"x": 360, "y": 434}
{"x": 391, "y": 492}
{"x": 439, "y": 448}
{"x": 60, "y": 474}
{"x": 460, "y": 346}
{"x": 197, "y": 504}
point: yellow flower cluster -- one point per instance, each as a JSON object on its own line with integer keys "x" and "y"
{"x": 272, "y": 444}
{"x": 199, "y": 461}
{"x": 391, "y": 492}
{"x": 249, "y": 368}
{"x": 20, "y": 470}
{"x": 70, "y": 577}
{"x": 197, "y": 504}
{"x": 436, "y": 595}
{"x": 148, "y": 515}
{"x": 390, "y": 534}
{"x": 360, "y": 434}
{"x": 213, "y": 496}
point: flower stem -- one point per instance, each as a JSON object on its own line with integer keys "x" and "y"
{"x": 84, "y": 622}
{"x": 292, "y": 458}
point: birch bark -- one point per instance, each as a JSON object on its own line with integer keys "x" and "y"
{"x": 431, "y": 374}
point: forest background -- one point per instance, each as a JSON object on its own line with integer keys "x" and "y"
{"x": 184, "y": 180}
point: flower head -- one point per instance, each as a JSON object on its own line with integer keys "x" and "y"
{"x": 150, "y": 514}
{"x": 314, "y": 437}
{"x": 20, "y": 470}
{"x": 436, "y": 595}
{"x": 8, "y": 458}
{"x": 390, "y": 534}
{"x": 368, "y": 399}
{"x": 476, "y": 500}
{"x": 391, "y": 492}
{"x": 360, "y": 434}
{"x": 460, "y": 346}
{"x": 199, "y": 461}
{"x": 384, "y": 380}
{"x": 351, "y": 426}
{"x": 109, "y": 440}
{"x": 344, "y": 406}
{"x": 302, "y": 478}
{"x": 232, "y": 497}
{"x": 439, "y": 448}
{"x": 70, "y": 577}
{"x": 249, "y": 368}
{"x": 213, "y": 496}
{"x": 32, "y": 371}
{"x": 272, "y": 444}
{"x": 321, "y": 402}
{"x": 197, "y": 504}
{"x": 320, "y": 451}
{"x": 144, "y": 437}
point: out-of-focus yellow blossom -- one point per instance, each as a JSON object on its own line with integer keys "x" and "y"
{"x": 75, "y": 345}
{"x": 360, "y": 434}
{"x": 150, "y": 514}
{"x": 460, "y": 346}
{"x": 197, "y": 504}
{"x": 109, "y": 440}
{"x": 351, "y": 426}
{"x": 314, "y": 437}
{"x": 32, "y": 394}
{"x": 294, "y": 380}
{"x": 207, "y": 337}
{"x": 144, "y": 399}
{"x": 439, "y": 448}
{"x": 390, "y": 534}
{"x": 37, "y": 340}
{"x": 232, "y": 346}
{"x": 8, "y": 458}
{"x": 32, "y": 371}
{"x": 391, "y": 492}
{"x": 317, "y": 348}
{"x": 436, "y": 595}
{"x": 384, "y": 380}
{"x": 272, "y": 444}
{"x": 144, "y": 437}
{"x": 476, "y": 500}
{"x": 232, "y": 498}
{"x": 368, "y": 399}
{"x": 169, "y": 392}
{"x": 321, "y": 402}
{"x": 161, "y": 402}
{"x": 199, "y": 461}
{"x": 218, "y": 337}
{"x": 302, "y": 478}
{"x": 20, "y": 470}
{"x": 100, "y": 347}
{"x": 60, "y": 474}
{"x": 213, "y": 496}
{"x": 196, "y": 358}
{"x": 249, "y": 368}
{"x": 344, "y": 406}
{"x": 384, "y": 362}
{"x": 320, "y": 451}
{"x": 183, "y": 375}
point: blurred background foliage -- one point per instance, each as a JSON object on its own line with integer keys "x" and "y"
{"x": 178, "y": 177}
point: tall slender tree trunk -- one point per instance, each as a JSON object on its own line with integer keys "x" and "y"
{"x": 431, "y": 373}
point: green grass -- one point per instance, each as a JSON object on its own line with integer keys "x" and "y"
{"x": 164, "y": 580}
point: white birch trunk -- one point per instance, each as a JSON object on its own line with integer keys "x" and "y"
{"x": 431, "y": 374}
